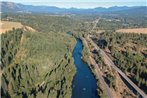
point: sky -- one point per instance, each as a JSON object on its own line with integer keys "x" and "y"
{"x": 82, "y": 3}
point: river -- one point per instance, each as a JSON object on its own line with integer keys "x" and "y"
{"x": 84, "y": 82}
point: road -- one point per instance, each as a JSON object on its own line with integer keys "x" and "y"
{"x": 97, "y": 69}
{"x": 99, "y": 73}
{"x": 109, "y": 62}
{"x": 96, "y": 22}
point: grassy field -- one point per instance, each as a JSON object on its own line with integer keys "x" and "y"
{"x": 134, "y": 30}
{"x": 8, "y": 25}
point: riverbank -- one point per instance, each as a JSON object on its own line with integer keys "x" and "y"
{"x": 86, "y": 58}
{"x": 84, "y": 82}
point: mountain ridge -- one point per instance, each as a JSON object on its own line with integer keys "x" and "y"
{"x": 18, "y": 7}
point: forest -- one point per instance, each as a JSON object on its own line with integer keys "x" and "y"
{"x": 50, "y": 23}
{"x": 36, "y": 64}
{"x": 128, "y": 52}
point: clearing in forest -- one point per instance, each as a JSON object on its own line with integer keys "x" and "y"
{"x": 134, "y": 30}
{"x": 8, "y": 25}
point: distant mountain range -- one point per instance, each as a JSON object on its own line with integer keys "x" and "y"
{"x": 20, "y": 8}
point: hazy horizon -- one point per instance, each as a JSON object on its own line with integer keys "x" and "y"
{"x": 84, "y": 4}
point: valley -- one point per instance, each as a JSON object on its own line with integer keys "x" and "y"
{"x": 51, "y": 52}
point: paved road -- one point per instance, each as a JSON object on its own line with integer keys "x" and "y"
{"x": 96, "y": 22}
{"x": 99, "y": 73}
{"x": 109, "y": 62}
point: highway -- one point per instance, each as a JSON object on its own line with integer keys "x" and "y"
{"x": 109, "y": 62}
{"x": 99, "y": 73}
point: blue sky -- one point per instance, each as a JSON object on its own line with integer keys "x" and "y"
{"x": 83, "y": 3}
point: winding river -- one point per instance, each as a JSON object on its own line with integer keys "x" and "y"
{"x": 84, "y": 82}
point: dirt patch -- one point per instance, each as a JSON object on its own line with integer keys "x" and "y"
{"x": 134, "y": 30}
{"x": 27, "y": 28}
{"x": 8, "y": 25}
{"x": 100, "y": 31}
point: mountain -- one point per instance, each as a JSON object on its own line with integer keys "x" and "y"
{"x": 10, "y": 7}
{"x": 134, "y": 10}
{"x": 17, "y": 7}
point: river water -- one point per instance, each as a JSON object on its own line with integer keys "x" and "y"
{"x": 84, "y": 82}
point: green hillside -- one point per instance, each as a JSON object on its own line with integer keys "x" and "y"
{"x": 37, "y": 64}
